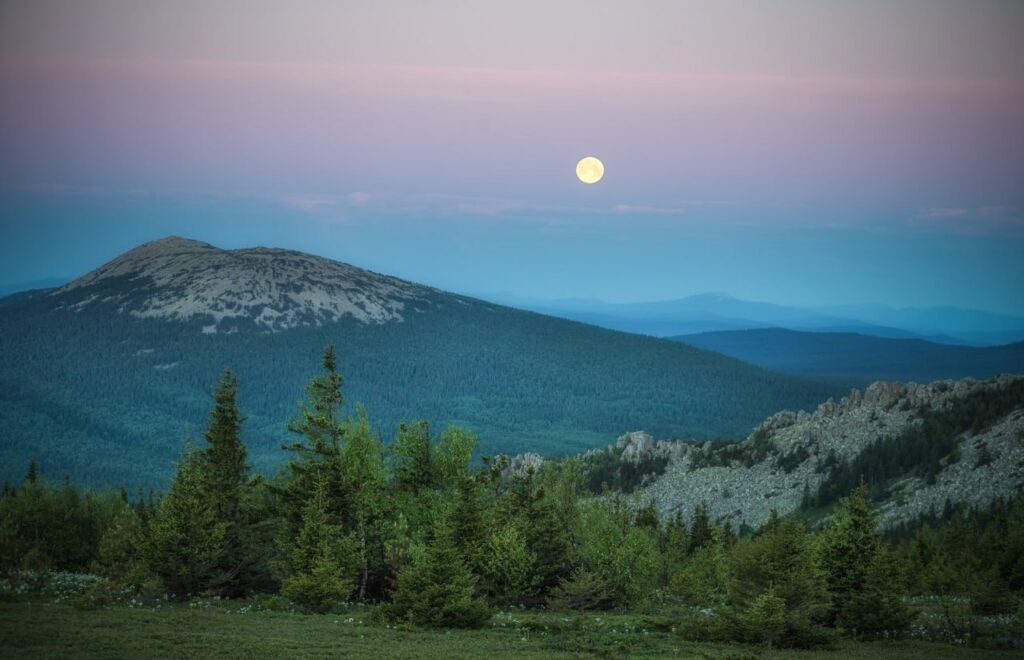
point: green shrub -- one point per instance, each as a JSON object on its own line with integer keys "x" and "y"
{"x": 322, "y": 589}
{"x": 701, "y": 581}
{"x": 508, "y": 567}
{"x": 583, "y": 590}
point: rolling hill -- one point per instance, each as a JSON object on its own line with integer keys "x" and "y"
{"x": 860, "y": 358}
{"x": 102, "y": 377}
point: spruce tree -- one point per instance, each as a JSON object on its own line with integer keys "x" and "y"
{"x": 438, "y": 590}
{"x": 848, "y": 548}
{"x": 548, "y": 539}
{"x": 323, "y": 562}
{"x": 186, "y": 541}
{"x": 225, "y": 471}
{"x": 363, "y": 481}
{"x": 469, "y": 526}
{"x": 702, "y": 532}
{"x": 863, "y": 581}
{"x": 412, "y": 463}
{"x": 507, "y": 567}
{"x": 765, "y": 621}
{"x": 316, "y": 455}
{"x": 780, "y": 560}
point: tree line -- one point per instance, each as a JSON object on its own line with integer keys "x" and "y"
{"x": 429, "y": 537}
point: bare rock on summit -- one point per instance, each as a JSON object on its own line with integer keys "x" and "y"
{"x": 273, "y": 289}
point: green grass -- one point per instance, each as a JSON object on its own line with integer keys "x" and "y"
{"x": 226, "y": 630}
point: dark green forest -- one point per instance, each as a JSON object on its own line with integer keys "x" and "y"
{"x": 107, "y": 398}
{"x": 425, "y": 537}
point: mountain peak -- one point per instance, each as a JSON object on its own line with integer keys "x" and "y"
{"x": 176, "y": 243}
{"x": 183, "y": 279}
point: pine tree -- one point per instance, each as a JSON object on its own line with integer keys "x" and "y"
{"x": 647, "y": 519}
{"x": 863, "y": 579}
{"x": 317, "y": 455}
{"x": 452, "y": 457}
{"x": 848, "y": 548}
{"x": 468, "y": 524}
{"x": 779, "y": 560}
{"x": 702, "y": 532}
{"x": 701, "y": 579}
{"x": 363, "y": 483}
{"x": 118, "y": 553}
{"x": 438, "y": 589}
{"x": 186, "y": 541}
{"x": 878, "y": 607}
{"x": 508, "y": 567}
{"x": 225, "y": 471}
{"x": 765, "y": 621}
{"x": 323, "y": 562}
{"x": 412, "y": 464}
{"x": 548, "y": 539}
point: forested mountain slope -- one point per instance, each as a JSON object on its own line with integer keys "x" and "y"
{"x": 100, "y": 378}
{"x": 860, "y": 358}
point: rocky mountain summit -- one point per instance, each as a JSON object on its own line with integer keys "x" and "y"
{"x": 272, "y": 289}
{"x": 972, "y": 431}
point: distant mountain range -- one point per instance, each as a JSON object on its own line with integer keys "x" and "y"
{"x": 103, "y": 376}
{"x": 712, "y": 312}
{"x": 860, "y": 358}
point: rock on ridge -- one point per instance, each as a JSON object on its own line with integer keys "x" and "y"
{"x": 788, "y": 455}
{"x": 274, "y": 289}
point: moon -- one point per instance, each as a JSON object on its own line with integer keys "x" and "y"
{"x": 590, "y": 169}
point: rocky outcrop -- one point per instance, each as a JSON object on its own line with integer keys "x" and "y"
{"x": 789, "y": 454}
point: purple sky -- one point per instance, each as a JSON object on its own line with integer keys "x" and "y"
{"x": 864, "y": 131}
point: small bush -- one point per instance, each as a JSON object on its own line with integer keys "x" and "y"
{"x": 438, "y": 590}
{"x": 322, "y": 590}
{"x": 583, "y": 590}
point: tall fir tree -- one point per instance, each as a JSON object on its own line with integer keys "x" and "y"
{"x": 185, "y": 542}
{"x": 412, "y": 463}
{"x": 323, "y": 562}
{"x": 549, "y": 540}
{"x": 439, "y": 589}
{"x": 469, "y": 525}
{"x": 702, "y": 532}
{"x": 225, "y": 471}
{"x": 363, "y": 477}
{"x": 316, "y": 455}
{"x": 780, "y": 560}
{"x": 848, "y": 548}
{"x": 864, "y": 580}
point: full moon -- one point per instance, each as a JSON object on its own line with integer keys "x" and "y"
{"x": 590, "y": 170}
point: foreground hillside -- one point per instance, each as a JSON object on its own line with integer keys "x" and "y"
{"x": 920, "y": 449}
{"x": 101, "y": 378}
{"x": 397, "y": 541}
{"x": 859, "y": 358}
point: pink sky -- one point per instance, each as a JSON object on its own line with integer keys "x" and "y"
{"x": 798, "y": 102}
{"x": 793, "y": 112}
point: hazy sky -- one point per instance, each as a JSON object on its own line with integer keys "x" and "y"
{"x": 798, "y": 152}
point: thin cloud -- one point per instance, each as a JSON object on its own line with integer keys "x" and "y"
{"x": 973, "y": 220}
